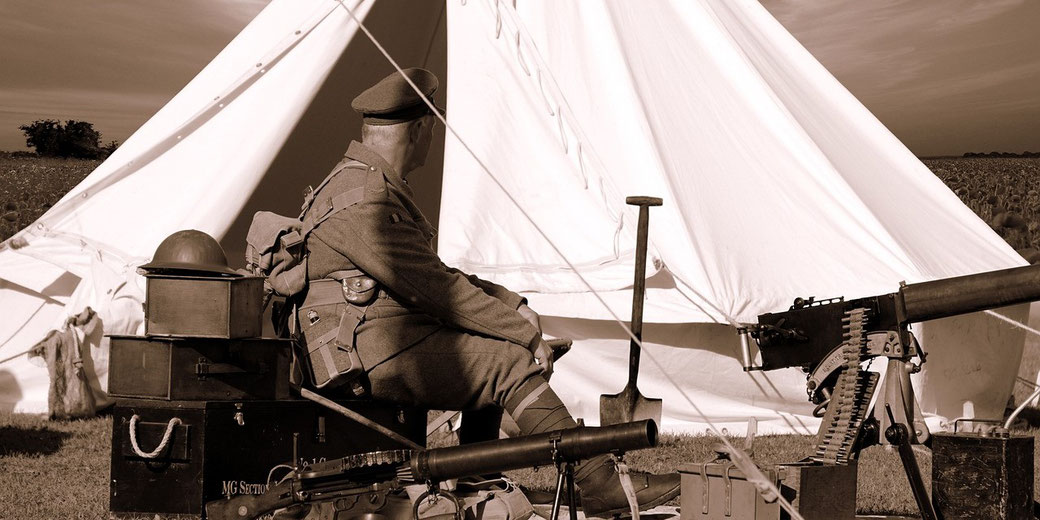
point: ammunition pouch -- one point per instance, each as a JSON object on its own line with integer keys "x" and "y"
{"x": 360, "y": 290}
{"x": 329, "y": 317}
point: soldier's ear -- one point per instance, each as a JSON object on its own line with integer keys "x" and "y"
{"x": 415, "y": 130}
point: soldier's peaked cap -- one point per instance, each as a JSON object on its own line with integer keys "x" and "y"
{"x": 393, "y": 100}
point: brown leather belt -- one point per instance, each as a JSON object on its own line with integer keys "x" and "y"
{"x": 328, "y": 291}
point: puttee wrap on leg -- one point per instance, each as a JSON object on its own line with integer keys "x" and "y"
{"x": 536, "y": 408}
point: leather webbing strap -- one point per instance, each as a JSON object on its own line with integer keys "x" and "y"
{"x": 348, "y": 324}
{"x": 309, "y": 197}
{"x": 343, "y": 274}
{"x": 322, "y": 340}
{"x": 324, "y": 208}
{"x": 326, "y": 357}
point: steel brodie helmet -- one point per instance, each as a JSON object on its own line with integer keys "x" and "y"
{"x": 190, "y": 250}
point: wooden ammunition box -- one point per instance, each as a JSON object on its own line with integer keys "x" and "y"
{"x": 207, "y": 307}
{"x": 221, "y": 449}
{"x": 975, "y": 476}
{"x": 199, "y": 368}
{"x": 720, "y": 491}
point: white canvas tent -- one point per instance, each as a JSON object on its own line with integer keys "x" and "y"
{"x": 777, "y": 183}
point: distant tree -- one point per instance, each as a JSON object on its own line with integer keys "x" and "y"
{"x": 81, "y": 140}
{"x": 110, "y": 147}
{"x": 73, "y": 139}
{"x": 44, "y": 135}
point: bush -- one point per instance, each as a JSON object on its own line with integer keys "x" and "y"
{"x": 76, "y": 139}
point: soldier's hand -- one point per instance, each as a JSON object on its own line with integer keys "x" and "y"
{"x": 530, "y": 316}
{"x": 543, "y": 357}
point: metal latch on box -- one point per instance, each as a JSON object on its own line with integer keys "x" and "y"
{"x": 727, "y": 485}
{"x": 204, "y": 368}
{"x": 722, "y": 455}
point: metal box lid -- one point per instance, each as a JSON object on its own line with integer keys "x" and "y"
{"x": 199, "y": 368}
{"x": 201, "y": 306}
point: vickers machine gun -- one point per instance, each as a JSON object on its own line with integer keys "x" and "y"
{"x": 367, "y": 486}
{"x": 829, "y": 339}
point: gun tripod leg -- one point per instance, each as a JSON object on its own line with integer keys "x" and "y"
{"x": 572, "y": 499}
{"x": 899, "y": 392}
{"x": 899, "y": 435}
{"x": 564, "y": 478}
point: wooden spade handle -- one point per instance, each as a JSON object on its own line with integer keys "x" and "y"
{"x": 641, "y": 200}
{"x": 639, "y": 284}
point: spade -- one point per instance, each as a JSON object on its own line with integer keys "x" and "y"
{"x": 630, "y": 405}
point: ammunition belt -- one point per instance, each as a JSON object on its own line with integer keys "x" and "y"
{"x": 372, "y": 466}
{"x": 850, "y": 398}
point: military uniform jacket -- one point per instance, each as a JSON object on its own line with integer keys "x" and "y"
{"x": 378, "y": 229}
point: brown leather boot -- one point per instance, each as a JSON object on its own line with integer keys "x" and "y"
{"x": 602, "y": 495}
{"x": 536, "y": 409}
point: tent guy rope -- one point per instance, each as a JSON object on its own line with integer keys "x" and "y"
{"x": 1022, "y": 326}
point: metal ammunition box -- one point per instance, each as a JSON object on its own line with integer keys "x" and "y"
{"x": 819, "y": 491}
{"x": 220, "y": 449}
{"x": 975, "y": 476}
{"x": 199, "y": 368}
{"x": 720, "y": 491}
{"x": 208, "y": 307}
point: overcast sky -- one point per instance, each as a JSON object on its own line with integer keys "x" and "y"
{"x": 946, "y": 76}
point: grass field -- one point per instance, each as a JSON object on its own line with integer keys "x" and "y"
{"x": 60, "y": 469}
{"x": 57, "y": 470}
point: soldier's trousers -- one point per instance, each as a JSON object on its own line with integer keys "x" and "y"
{"x": 455, "y": 370}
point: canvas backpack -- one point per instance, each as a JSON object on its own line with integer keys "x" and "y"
{"x": 275, "y": 244}
{"x": 274, "y": 250}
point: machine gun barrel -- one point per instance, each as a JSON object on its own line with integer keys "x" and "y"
{"x": 972, "y": 293}
{"x": 439, "y": 464}
{"x": 534, "y": 450}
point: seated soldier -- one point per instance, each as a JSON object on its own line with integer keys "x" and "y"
{"x": 430, "y": 335}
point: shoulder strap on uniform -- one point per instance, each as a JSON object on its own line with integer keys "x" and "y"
{"x": 308, "y": 199}
{"x": 324, "y": 207}
{"x": 316, "y": 208}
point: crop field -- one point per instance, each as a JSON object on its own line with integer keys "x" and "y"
{"x": 31, "y": 185}
{"x": 1004, "y": 192}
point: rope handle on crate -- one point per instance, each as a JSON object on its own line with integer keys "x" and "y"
{"x": 162, "y": 444}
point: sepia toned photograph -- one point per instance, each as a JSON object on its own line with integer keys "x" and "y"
{"x": 516, "y": 259}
